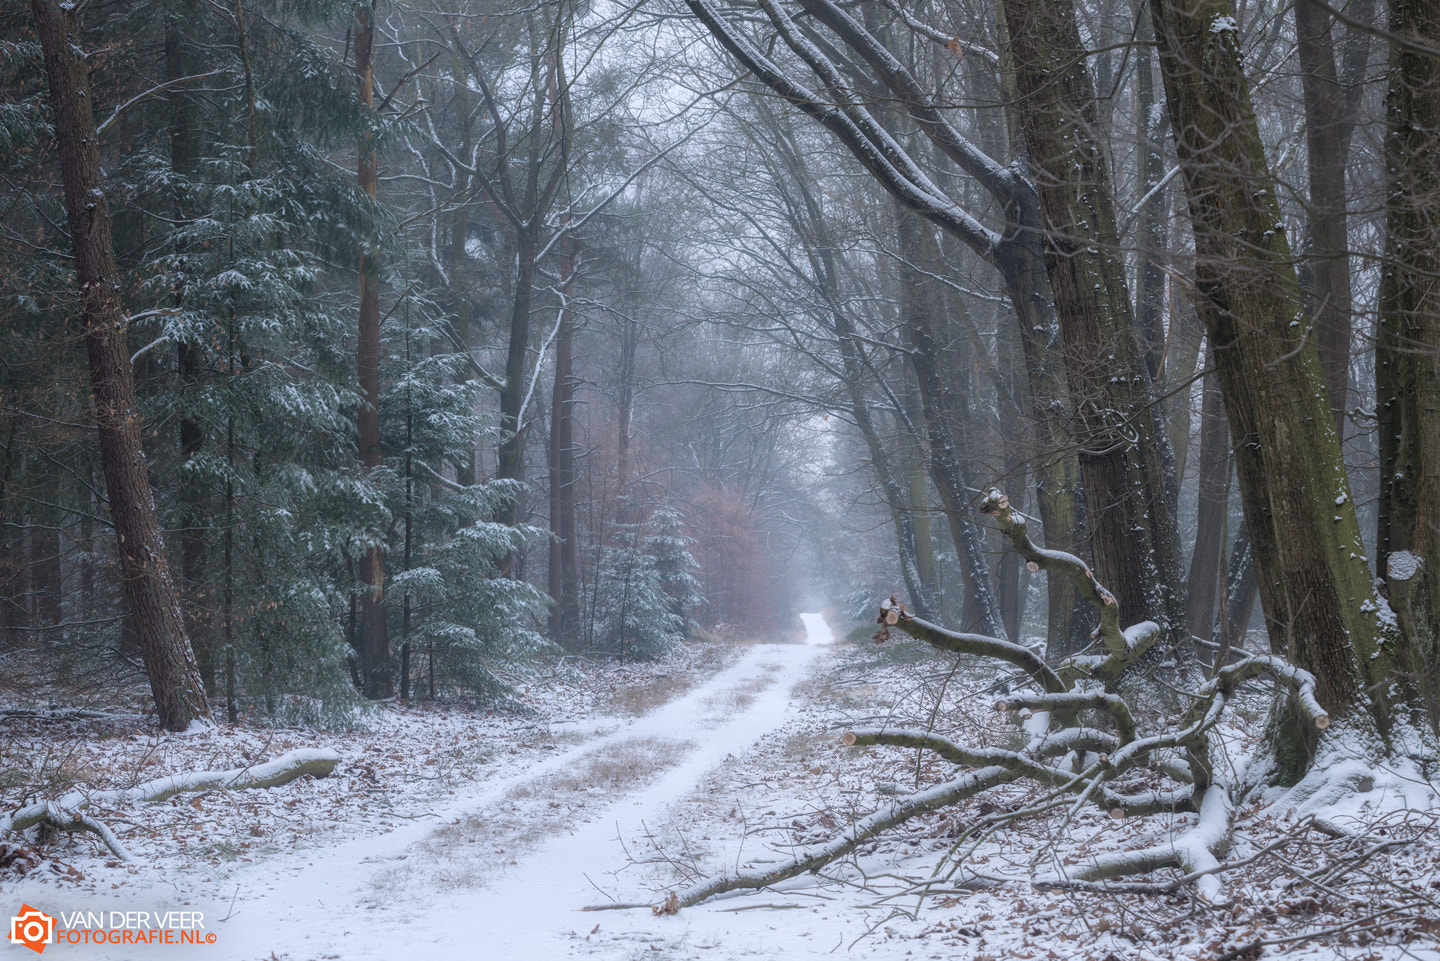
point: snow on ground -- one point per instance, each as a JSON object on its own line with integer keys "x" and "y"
{"x": 447, "y": 834}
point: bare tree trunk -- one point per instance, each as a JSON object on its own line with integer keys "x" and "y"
{"x": 47, "y": 585}
{"x": 1151, "y": 235}
{"x": 188, "y": 358}
{"x": 1125, "y": 457}
{"x": 372, "y": 633}
{"x": 924, "y": 325}
{"x": 1240, "y": 590}
{"x": 11, "y": 562}
{"x": 456, "y": 257}
{"x": 511, "y": 463}
{"x": 1059, "y": 498}
{"x": 1328, "y": 125}
{"x": 169, "y": 661}
{"x": 1407, "y": 362}
{"x": 1310, "y": 563}
{"x": 564, "y": 575}
{"x": 916, "y": 506}
{"x": 1204, "y": 583}
{"x": 1182, "y": 354}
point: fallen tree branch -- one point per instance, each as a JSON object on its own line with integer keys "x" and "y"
{"x": 893, "y": 614}
{"x": 1076, "y": 762}
{"x": 817, "y": 856}
{"x": 1197, "y": 852}
{"x": 68, "y": 813}
{"x": 1073, "y": 701}
{"x": 316, "y": 762}
{"x": 52, "y": 815}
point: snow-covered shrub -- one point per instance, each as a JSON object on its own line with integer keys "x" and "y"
{"x": 644, "y": 588}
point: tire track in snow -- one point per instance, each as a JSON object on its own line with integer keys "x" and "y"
{"x": 332, "y": 908}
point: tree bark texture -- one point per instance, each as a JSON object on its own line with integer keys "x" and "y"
{"x": 1327, "y": 139}
{"x": 149, "y": 590}
{"x": 1204, "y": 581}
{"x": 1311, "y": 569}
{"x": 1407, "y": 361}
{"x": 372, "y": 632}
{"x": 1126, "y": 462}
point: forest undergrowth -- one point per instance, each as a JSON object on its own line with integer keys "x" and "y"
{"x": 1357, "y": 879}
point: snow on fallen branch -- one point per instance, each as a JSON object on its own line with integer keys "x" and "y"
{"x": 68, "y": 813}
{"x": 1081, "y": 738}
{"x": 1197, "y": 852}
{"x": 815, "y": 857}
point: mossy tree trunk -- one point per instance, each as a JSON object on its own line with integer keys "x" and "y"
{"x": 1314, "y": 581}
{"x": 1407, "y": 367}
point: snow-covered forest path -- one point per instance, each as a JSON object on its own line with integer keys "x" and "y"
{"x": 351, "y": 902}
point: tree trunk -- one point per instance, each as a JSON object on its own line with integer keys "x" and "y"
{"x": 1151, "y": 237}
{"x": 1182, "y": 354}
{"x": 48, "y": 582}
{"x": 1204, "y": 583}
{"x": 1310, "y": 563}
{"x": 1126, "y": 461}
{"x": 169, "y": 661}
{"x": 1327, "y": 138}
{"x": 511, "y": 462}
{"x": 188, "y": 360}
{"x": 916, "y": 505}
{"x": 372, "y": 633}
{"x": 924, "y": 319}
{"x": 1407, "y": 357}
{"x": 564, "y": 574}
{"x": 1240, "y": 590}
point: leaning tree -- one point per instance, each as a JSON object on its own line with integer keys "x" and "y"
{"x": 1354, "y": 674}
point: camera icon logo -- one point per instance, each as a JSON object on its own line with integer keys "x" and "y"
{"x": 32, "y": 928}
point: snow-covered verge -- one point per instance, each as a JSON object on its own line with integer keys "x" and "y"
{"x": 1298, "y": 890}
{"x": 418, "y": 848}
{"x": 400, "y": 765}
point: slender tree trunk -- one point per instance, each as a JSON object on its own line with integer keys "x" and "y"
{"x": 1182, "y": 354}
{"x": 456, "y": 256}
{"x": 1203, "y": 583}
{"x": 564, "y": 586}
{"x": 1327, "y": 138}
{"x": 169, "y": 661}
{"x": 1310, "y": 563}
{"x": 1240, "y": 590}
{"x": 923, "y": 320}
{"x": 373, "y": 635}
{"x": 12, "y": 566}
{"x": 1151, "y": 236}
{"x": 1407, "y": 361}
{"x": 46, "y": 562}
{"x": 511, "y": 464}
{"x": 624, "y": 410}
{"x": 916, "y": 505}
{"x": 183, "y": 122}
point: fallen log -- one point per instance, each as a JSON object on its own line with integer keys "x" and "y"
{"x": 69, "y": 812}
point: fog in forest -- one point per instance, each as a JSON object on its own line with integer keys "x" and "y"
{"x": 394, "y": 372}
